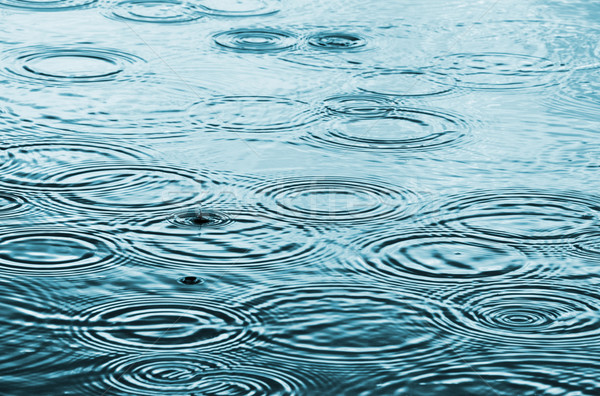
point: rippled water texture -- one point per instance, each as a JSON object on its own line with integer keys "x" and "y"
{"x": 269, "y": 197}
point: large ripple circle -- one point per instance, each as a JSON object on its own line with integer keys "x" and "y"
{"x": 57, "y": 252}
{"x": 254, "y": 114}
{"x": 401, "y": 129}
{"x": 154, "y": 11}
{"x": 403, "y": 256}
{"x": 122, "y": 188}
{"x": 311, "y": 323}
{"x": 230, "y": 239}
{"x": 68, "y": 64}
{"x": 551, "y": 313}
{"x": 164, "y": 323}
{"x": 27, "y": 165}
{"x": 407, "y": 83}
{"x": 499, "y": 71}
{"x": 49, "y": 5}
{"x": 255, "y": 40}
{"x": 520, "y": 216}
{"x": 176, "y": 374}
{"x": 335, "y": 200}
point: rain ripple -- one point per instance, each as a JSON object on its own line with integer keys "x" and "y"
{"x": 68, "y": 65}
{"x": 541, "y": 314}
{"x": 154, "y": 11}
{"x": 164, "y": 323}
{"x": 189, "y": 374}
{"x": 47, "y": 5}
{"x": 54, "y": 251}
{"x": 310, "y": 323}
{"x": 255, "y": 40}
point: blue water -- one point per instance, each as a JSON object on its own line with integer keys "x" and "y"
{"x": 262, "y": 197}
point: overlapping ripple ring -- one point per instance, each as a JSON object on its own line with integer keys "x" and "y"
{"x": 71, "y": 64}
{"x": 402, "y": 129}
{"x": 253, "y": 114}
{"x": 177, "y": 374}
{"x": 404, "y": 256}
{"x": 13, "y": 205}
{"x": 524, "y": 373}
{"x": 151, "y": 323}
{"x": 310, "y": 323}
{"x": 243, "y": 240}
{"x": 405, "y": 83}
{"x": 154, "y": 11}
{"x": 360, "y": 105}
{"x": 131, "y": 188}
{"x": 27, "y": 164}
{"x": 49, "y": 5}
{"x": 237, "y": 8}
{"x": 30, "y": 353}
{"x": 519, "y": 216}
{"x": 259, "y": 40}
{"x": 535, "y": 313}
{"x": 58, "y": 252}
{"x": 499, "y": 71}
{"x": 336, "y": 41}
{"x": 335, "y": 200}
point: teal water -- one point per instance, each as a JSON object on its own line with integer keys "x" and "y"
{"x": 262, "y": 197}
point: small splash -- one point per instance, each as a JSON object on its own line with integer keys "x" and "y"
{"x": 190, "y": 280}
{"x": 200, "y": 218}
{"x": 336, "y": 41}
{"x": 255, "y": 40}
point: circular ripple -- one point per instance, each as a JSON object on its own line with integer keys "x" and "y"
{"x": 51, "y": 252}
{"x": 578, "y": 95}
{"x": 13, "y": 205}
{"x": 254, "y": 114}
{"x": 499, "y": 70}
{"x": 50, "y": 5}
{"x": 239, "y": 8}
{"x": 125, "y": 188}
{"x": 346, "y": 324}
{"x": 168, "y": 323}
{"x": 525, "y": 373}
{"x": 405, "y": 83}
{"x": 335, "y": 200}
{"x": 360, "y": 106}
{"x": 405, "y": 256}
{"x": 68, "y": 65}
{"x": 336, "y": 41}
{"x": 176, "y": 374}
{"x": 523, "y": 314}
{"x": 28, "y": 165}
{"x": 255, "y": 40}
{"x": 403, "y": 129}
{"x": 520, "y": 216}
{"x": 198, "y": 218}
{"x": 248, "y": 240}
{"x": 154, "y": 11}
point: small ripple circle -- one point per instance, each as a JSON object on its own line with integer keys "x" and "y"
{"x": 255, "y": 40}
